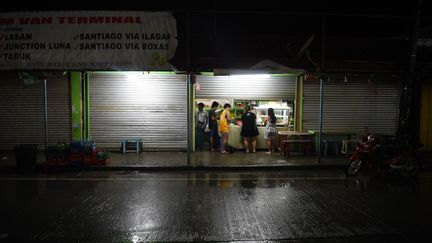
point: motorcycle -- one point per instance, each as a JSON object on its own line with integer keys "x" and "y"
{"x": 376, "y": 151}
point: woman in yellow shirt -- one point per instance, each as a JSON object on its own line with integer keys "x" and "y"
{"x": 224, "y": 127}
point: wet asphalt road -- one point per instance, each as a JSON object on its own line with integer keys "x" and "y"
{"x": 295, "y": 206}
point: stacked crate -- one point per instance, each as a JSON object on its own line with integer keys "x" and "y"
{"x": 75, "y": 152}
{"x": 57, "y": 154}
{"x": 102, "y": 158}
{"x": 89, "y": 152}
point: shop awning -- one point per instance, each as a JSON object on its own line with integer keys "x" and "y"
{"x": 263, "y": 67}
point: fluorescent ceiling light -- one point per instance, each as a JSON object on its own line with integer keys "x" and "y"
{"x": 249, "y": 76}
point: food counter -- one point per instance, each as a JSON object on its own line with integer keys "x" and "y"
{"x": 236, "y": 140}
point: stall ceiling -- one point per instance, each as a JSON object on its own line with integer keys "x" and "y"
{"x": 246, "y": 87}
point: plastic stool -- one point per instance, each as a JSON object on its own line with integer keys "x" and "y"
{"x": 329, "y": 142}
{"x": 136, "y": 145}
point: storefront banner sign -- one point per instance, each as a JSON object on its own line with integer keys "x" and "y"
{"x": 87, "y": 40}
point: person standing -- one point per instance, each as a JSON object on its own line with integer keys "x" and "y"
{"x": 224, "y": 126}
{"x": 201, "y": 120}
{"x": 213, "y": 126}
{"x": 270, "y": 131}
{"x": 249, "y": 130}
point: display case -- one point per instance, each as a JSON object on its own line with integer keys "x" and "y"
{"x": 282, "y": 115}
{"x": 238, "y": 113}
{"x": 239, "y": 108}
{"x": 283, "y": 111}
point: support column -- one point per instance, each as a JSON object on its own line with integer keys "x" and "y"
{"x": 426, "y": 116}
{"x": 86, "y": 105}
{"x": 189, "y": 130}
{"x": 46, "y": 111}
{"x": 298, "y": 103}
{"x": 193, "y": 108}
{"x": 76, "y": 102}
{"x": 320, "y": 120}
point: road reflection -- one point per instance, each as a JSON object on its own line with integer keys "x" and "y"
{"x": 379, "y": 182}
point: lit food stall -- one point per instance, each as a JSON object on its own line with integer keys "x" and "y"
{"x": 259, "y": 91}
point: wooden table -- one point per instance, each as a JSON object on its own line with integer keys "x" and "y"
{"x": 284, "y": 135}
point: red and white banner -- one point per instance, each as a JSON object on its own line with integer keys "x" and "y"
{"x": 87, "y": 40}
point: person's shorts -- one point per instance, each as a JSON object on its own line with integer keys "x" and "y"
{"x": 221, "y": 134}
{"x": 269, "y": 136}
{"x": 214, "y": 133}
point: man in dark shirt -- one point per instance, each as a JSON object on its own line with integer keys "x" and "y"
{"x": 201, "y": 118}
{"x": 214, "y": 135}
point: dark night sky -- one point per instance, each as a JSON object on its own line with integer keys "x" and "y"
{"x": 395, "y": 8}
{"x": 227, "y": 33}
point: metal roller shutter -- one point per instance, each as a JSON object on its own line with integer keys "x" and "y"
{"x": 22, "y": 111}
{"x": 231, "y": 87}
{"x": 351, "y": 106}
{"x": 311, "y": 102}
{"x": 131, "y": 104}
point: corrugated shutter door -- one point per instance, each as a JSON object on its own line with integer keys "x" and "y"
{"x": 59, "y": 109}
{"x": 311, "y": 101}
{"x": 232, "y": 87}
{"x": 22, "y": 111}
{"x": 129, "y": 104}
{"x": 351, "y": 106}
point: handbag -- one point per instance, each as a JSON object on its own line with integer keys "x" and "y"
{"x": 271, "y": 129}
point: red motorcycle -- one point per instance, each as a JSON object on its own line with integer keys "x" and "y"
{"x": 376, "y": 151}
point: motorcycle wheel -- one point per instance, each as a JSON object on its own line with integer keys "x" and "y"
{"x": 353, "y": 167}
{"x": 410, "y": 166}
